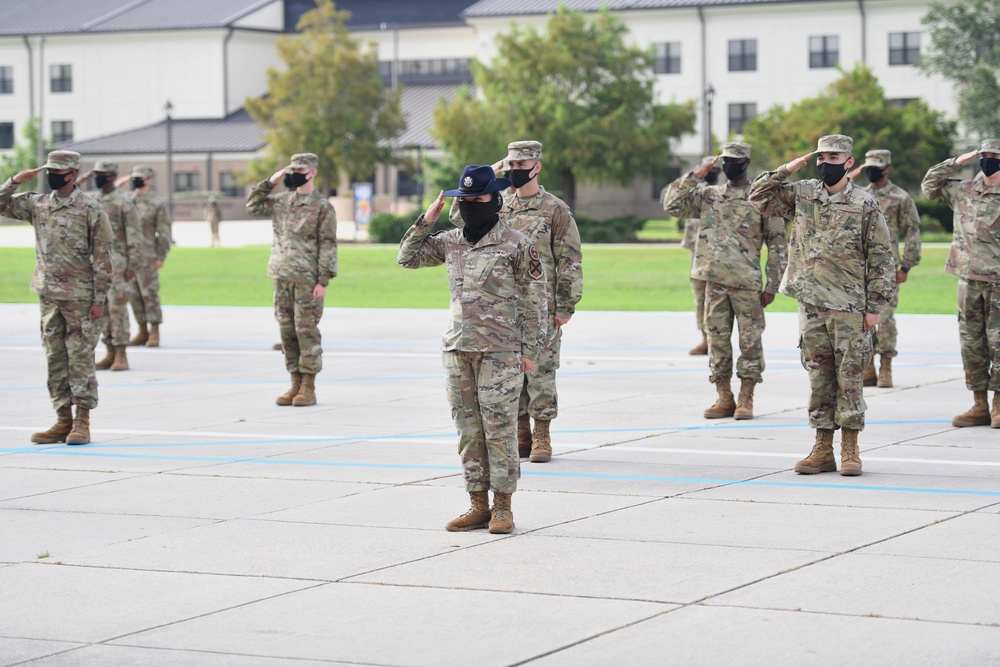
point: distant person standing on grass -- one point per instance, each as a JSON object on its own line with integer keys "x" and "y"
{"x": 303, "y": 261}
{"x": 213, "y": 216}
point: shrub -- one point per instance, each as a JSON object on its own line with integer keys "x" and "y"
{"x": 930, "y": 225}
{"x": 940, "y": 212}
{"x": 615, "y": 230}
{"x": 388, "y": 228}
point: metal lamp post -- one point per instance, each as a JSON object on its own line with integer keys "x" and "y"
{"x": 170, "y": 159}
{"x": 709, "y": 96}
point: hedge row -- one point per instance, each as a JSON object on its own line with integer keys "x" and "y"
{"x": 387, "y": 228}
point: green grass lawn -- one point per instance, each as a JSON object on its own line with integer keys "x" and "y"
{"x": 652, "y": 277}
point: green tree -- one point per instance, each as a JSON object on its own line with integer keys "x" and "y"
{"x": 328, "y": 100}
{"x": 854, "y": 105}
{"x": 24, "y": 156}
{"x": 580, "y": 89}
{"x": 965, "y": 49}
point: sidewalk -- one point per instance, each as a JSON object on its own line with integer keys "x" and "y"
{"x": 207, "y": 526}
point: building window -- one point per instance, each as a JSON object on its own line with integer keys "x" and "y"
{"x": 904, "y": 48}
{"x": 6, "y": 80}
{"x": 824, "y": 51}
{"x": 228, "y": 185}
{"x": 740, "y": 113}
{"x": 901, "y": 102}
{"x": 62, "y": 130}
{"x": 742, "y": 55}
{"x": 187, "y": 181}
{"x": 439, "y": 69}
{"x": 6, "y": 135}
{"x": 61, "y": 78}
{"x": 668, "y": 58}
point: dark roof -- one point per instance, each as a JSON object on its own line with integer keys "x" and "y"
{"x": 418, "y": 108}
{"x": 236, "y": 133}
{"x": 523, "y": 7}
{"x": 73, "y": 16}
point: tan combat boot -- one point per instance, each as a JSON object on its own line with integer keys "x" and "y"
{"x": 850, "y": 456}
{"x": 995, "y": 412}
{"x": 871, "y": 377}
{"x": 885, "y": 372}
{"x": 744, "y": 405}
{"x": 725, "y": 406}
{"x": 276, "y": 346}
{"x": 142, "y": 336}
{"x": 977, "y": 415}
{"x": 503, "y": 519}
{"x": 523, "y": 435}
{"x": 821, "y": 457}
{"x": 80, "y": 435}
{"x": 105, "y": 363}
{"x": 541, "y": 443}
{"x": 121, "y": 359}
{"x": 58, "y": 431}
{"x": 154, "y": 336}
{"x": 307, "y": 391}
{"x": 478, "y": 515}
{"x": 700, "y": 348}
{"x": 289, "y": 396}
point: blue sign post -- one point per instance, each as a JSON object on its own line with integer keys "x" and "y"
{"x": 364, "y": 206}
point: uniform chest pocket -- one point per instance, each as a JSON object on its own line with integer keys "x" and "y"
{"x": 68, "y": 227}
{"x": 848, "y": 228}
{"x": 492, "y": 273}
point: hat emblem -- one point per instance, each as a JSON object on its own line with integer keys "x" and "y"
{"x": 467, "y": 182}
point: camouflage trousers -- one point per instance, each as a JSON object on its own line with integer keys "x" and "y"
{"x": 482, "y": 389}
{"x": 885, "y": 335}
{"x": 214, "y": 227}
{"x": 116, "y": 326}
{"x": 835, "y": 352}
{"x": 145, "y": 294}
{"x": 298, "y": 315}
{"x": 723, "y": 306}
{"x": 979, "y": 333}
{"x": 698, "y": 290}
{"x": 538, "y": 392}
{"x": 69, "y": 339}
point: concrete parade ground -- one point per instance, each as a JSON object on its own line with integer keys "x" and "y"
{"x": 207, "y": 526}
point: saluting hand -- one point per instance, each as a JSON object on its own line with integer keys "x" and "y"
{"x": 26, "y": 175}
{"x": 965, "y": 158}
{"x": 498, "y": 166}
{"x": 277, "y": 176}
{"x": 854, "y": 173}
{"x": 434, "y": 210}
{"x": 82, "y": 178}
{"x": 798, "y": 163}
{"x": 122, "y": 180}
{"x": 701, "y": 171}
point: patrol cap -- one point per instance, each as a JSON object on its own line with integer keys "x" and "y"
{"x": 142, "y": 171}
{"x": 106, "y": 166}
{"x": 304, "y": 161}
{"x": 62, "y": 160}
{"x": 990, "y": 146}
{"x": 835, "y": 143}
{"x": 879, "y": 158}
{"x": 478, "y": 180}
{"x": 736, "y": 149}
{"x": 524, "y": 150}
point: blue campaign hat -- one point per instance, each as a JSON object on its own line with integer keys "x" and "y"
{"x": 478, "y": 180}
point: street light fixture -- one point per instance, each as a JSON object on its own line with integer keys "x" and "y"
{"x": 168, "y": 108}
{"x": 709, "y": 96}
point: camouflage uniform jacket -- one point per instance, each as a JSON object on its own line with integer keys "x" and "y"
{"x": 901, "y": 216}
{"x": 154, "y": 225}
{"x": 839, "y": 254}
{"x": 497, "y": 287}
{"x": 304, "y": 249}
{"x": 975, "y": 245}
{"x": 72, "y": 243}
{"x": 121, "y": 212}
{"x": 730, "y": 235}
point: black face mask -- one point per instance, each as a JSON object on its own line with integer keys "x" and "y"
{"x": 874, "y": 174}
{"x": 734, "y": 170}
{"x": 138, "y": 182}
{"x": 100, "y": 180}
{"x": 520, "y": 177}
{"x": 57, "y": 181}
{"x": 831, "y": 173}
{"x": 712, "y": 177}
{"x": 479, "y": 217}
{"x": 295, "y": 180}
{"x": 989, "y": 165}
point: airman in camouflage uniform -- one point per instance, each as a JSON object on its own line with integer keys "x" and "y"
{"x": 727, "y": 259}
{"x": 841, "y": 271}
{"x": 548, "y": 223}
{"x": 499, "y": 314}
{"x": 303, "y": 261}
{"x": 125, "y": 254}
{"x": 689, "y": 241}
{"x": 213, "y": 216}
{"x": 975, "y": 259}
{"x": 901, "y": 216}
{"x": 154, "y": 224}
{"x": 73, "y": 272}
